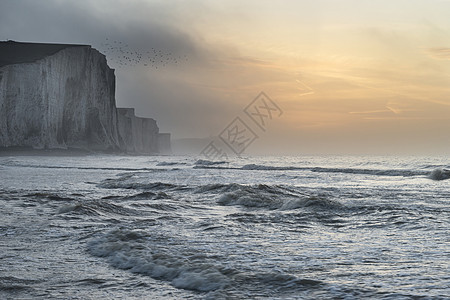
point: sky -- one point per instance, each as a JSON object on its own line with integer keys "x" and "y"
{"x": 349, "y": 76}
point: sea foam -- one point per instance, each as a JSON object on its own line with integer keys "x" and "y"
{"x": 130, "y": 250}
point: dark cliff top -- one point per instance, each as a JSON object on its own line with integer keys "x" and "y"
{"x": 12, "y": 52}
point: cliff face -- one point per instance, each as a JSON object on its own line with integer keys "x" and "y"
{"x": 65, "y": 98}
{"x": 164, "y": 145}
{"x": 139, "y": 134}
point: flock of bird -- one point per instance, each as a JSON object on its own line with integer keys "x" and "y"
{"x": 123, "y": 56}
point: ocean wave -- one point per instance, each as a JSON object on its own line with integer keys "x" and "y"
{"x": 218, "y": 188}
{"x": 269, "y": 168}
{"x": 129, "y": 250}
{"x": 99, "y": 208}
{"x": 50, "y": 196}
{"x": 230, "y": 194}
{"x": 431, "y": 166}
{"x": 126, "y": 182}
{"x": 273, "y": 197}
{"x": 170, "y": 163}
{"x": 13, "y": 285}
{"x": 277, "y": 280}
{"x": 204, "y": 162}
{"x": 184, "y": 267}
{"x": 375, "y": 172}
{"x": 440, "y": 174}
{"x": 378, "y": 172}
{"x": 231, "y": 187}
{"x": 142, "y": 195}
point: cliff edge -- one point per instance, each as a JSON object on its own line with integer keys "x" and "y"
{"x": 59, "y": 96}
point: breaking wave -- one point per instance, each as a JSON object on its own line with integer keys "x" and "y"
{"x": 129, "y": 250}
{"x": 99, "y": 208}
{"x": 440, "y": 174}
{"x": 375, "y": 172}
{"x": 184, "y": 267}
{"x": 272, "y": 197}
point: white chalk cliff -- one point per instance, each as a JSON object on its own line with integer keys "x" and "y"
{"x": 63, "y": 96}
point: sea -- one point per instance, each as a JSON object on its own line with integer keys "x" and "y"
{"x": 262, "y": 227}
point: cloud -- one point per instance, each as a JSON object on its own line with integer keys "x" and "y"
{"x": 235, "y": 53}
{"x": 439, "y": 53}
{"x": 138, "y": 23}
{"x": 369, "y": 112}
{"x": 171, "y": 95}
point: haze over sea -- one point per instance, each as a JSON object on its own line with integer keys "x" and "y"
{"x": 304, "y": 227}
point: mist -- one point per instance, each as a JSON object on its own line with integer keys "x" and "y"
{"x": 346, "y": 84}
